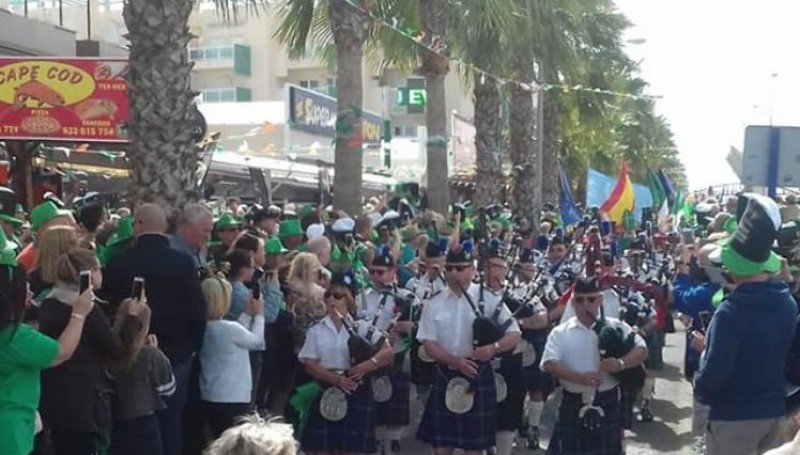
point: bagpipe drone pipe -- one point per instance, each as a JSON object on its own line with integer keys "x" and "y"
{"x": 360, "y": 348}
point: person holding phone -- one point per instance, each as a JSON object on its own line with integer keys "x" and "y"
{"x": 75, "y": 403}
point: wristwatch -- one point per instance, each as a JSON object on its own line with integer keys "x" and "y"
{"x": 621, "y": 364}
{"x": 496, "y": 346}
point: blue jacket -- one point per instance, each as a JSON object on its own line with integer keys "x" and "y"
{"x": 742, "y": 370}
{"x": 690, "y": 299}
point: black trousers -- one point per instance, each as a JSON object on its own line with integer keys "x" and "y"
{"x": 221, "y": 416}
{"x": 136, "y": 436}
{"x": 70, "y": 443}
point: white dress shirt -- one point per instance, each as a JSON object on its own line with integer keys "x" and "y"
{"x": 328, "y": 345}
{"x": 447, "y": 320}
{"x": 576, "y": 347}
{"x": 610, "y": 306}
{"x": 425, "y": 286}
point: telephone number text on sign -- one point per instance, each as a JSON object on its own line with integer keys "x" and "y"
{"x": 63, "y": 99}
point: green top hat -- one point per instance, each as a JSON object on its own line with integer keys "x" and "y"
{"x": 274, "y": 246}
{"x": 124, "y": 231}
{"x": 45, "y": 212}
{"x": 8, "y": 254}
{"x": 225, "y": 221}
{"x": 289, "y": 228}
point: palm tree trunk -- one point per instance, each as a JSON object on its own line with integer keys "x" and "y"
{"x": 522, "y": 147}
{"x": 550, "y": 135}
{"x": 435, "y": 17}
{"x": 163, "y": 152}
{"x": 489, "y": 178}
{"x": 349, "y": 27}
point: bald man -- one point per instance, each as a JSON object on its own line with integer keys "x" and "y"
{"x": 172, "y": 287}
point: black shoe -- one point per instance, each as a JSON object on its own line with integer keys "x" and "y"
{"x": 395, "y": 446}
{"x": 647, "y": 415}
{"x": 492, "y": 451}
{"x": 533, "y": 438}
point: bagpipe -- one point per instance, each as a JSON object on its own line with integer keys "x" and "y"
{"x": 360, "y": 348}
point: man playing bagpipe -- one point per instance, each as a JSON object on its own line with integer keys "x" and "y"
{"x": 534, "y": 323}
{"x": 428, "y": 283}
{"x": 591, "y": 354}
{"x": 457, "y": 333}
{"x": 383, "y": 308}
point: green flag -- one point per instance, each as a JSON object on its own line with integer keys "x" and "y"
{"x": 656, "y": 190}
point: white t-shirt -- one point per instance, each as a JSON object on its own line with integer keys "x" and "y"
{"x": 576, "y": 347}
{"x": 610, "y": 306}
{"x": 328, "y": 345}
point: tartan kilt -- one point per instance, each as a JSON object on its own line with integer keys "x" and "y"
{"x": 655, "y": 347}
{"x": 421, "y": 372}
{"x": 627, "y": 399}
{"x": 537, "y": 380}
{"x": 510, "y": 410}
{"x": 395, "y": 412}
{"x": 354, "y": 433}
{"x": 569, "y": 436}
{"x": 474, "y": 430}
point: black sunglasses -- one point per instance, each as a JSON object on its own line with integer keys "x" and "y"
{"x": 457, "y": 268}
{"x": 377, "y": 272}
{"x": 335, "y": 295}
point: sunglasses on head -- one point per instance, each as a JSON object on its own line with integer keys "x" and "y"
{"x": 585, "y": 298}
{"x": 457, "y": 268}
{"x": 334, "y": 295}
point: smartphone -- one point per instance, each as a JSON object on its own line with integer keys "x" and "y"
{"x": 84, "y": 281}
{"x": 705, "y": 319}
{"x": 687, "y": 237}
{"x": 255, "y": 285}
{"x": 138, "y": 288}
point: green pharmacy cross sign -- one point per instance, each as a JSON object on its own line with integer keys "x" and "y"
{"x": 413, "y": 97}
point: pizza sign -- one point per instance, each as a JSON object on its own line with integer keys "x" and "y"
{"x": 75, "y": 100}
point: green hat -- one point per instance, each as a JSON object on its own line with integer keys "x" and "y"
{"x": 289, "y": 228}
{"x": 45, "y": 212}
{"x": 124, "y": 231}
{"x": 274, "y": 246}
{"x": 748, "y": 251}
{"x": 305, "y": 210}
{"x": 225, "y": 221}
{"x": 8, "y": 254}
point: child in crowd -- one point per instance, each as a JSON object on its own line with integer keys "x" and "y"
{"x": 143, "y": 376}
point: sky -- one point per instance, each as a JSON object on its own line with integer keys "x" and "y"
{"x": 713, "y": 63}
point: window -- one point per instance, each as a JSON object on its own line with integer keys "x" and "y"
{"x": 210, "y": 53}
{"x": 331, "y": 86}
{"x": 309, "y": 84}
{"x": 405, "y": 131}
{"x": 225, "y": 95}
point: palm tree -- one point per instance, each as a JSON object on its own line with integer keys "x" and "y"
{"x": 163, "y": 151}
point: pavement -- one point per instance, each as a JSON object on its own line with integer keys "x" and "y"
{"x": 669, "y": 433}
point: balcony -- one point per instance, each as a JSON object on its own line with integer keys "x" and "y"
{"x": 225, "y": 95}
{"x": 235, "y": 57}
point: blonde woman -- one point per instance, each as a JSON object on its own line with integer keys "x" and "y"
{"x": 305, "y": 295}
{"x": 255, "y": 436}
{"x": 225, "y": 380}
{"x": 55, "y": 242}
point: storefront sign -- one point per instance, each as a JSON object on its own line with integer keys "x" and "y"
{"x": 72, "y": 100}
{"x": 316, "y": 114}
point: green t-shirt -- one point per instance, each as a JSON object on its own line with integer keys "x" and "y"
{"x": 24, "y": 353}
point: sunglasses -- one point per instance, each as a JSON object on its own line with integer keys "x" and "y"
{"x": 457, "y": 268}
{"x": 585, "y": 299}
{"x": 335, "y": 295}
{"x": 377, "y": 272}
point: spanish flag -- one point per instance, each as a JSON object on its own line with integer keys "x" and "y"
{"x": 620, "y": 201}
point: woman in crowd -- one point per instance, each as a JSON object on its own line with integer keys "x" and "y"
{"x": 255, "y": 245}
{"x": 24, "y": 353}
{"x": 326, "y": 358}
{"x": 75, "y": 396}
{"x": 255, "y": 436}
{"x": 239, "y": 272}
{"x": 141, "y": 378}
{"x": 305, "y": 295}
{"x": 225, "y": 381}
{"x": 53, "y": 244}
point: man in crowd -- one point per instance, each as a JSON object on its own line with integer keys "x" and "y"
{"x": 742, "y": 370}
{"x": 194, "y": 229}
{"x": 172, "y": 288}
{"x": 43, "y": 217}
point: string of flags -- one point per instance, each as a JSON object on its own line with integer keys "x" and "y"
{"x": 438, "y": 45}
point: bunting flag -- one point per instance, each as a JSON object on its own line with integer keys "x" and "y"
{"x": 663, "y": 217}
{"x": 619, "y": 204}
{"x": 566, "y": 204}
{"x": 666, "y": 185}
{"x": 656, "y": 189}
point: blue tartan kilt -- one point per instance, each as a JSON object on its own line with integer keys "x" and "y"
{"x": 655, "y": 347}
{"x": 569, "y": 436}
{"x": 627, "y": 399}
{"x": 395, "y": 412}
{"x": 537, "y": 380}
{"x": 354, "y": 433}
{"x": 421, "y": 372}
{"x": 474, "y": 430}
{"x": 510, "y": 410}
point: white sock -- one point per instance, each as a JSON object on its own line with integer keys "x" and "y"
{"x": 504, "y": 441}
{"x": 647, "y": 390}
{"x": 393, "y": 433}
{"x": 535, "y": 409}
